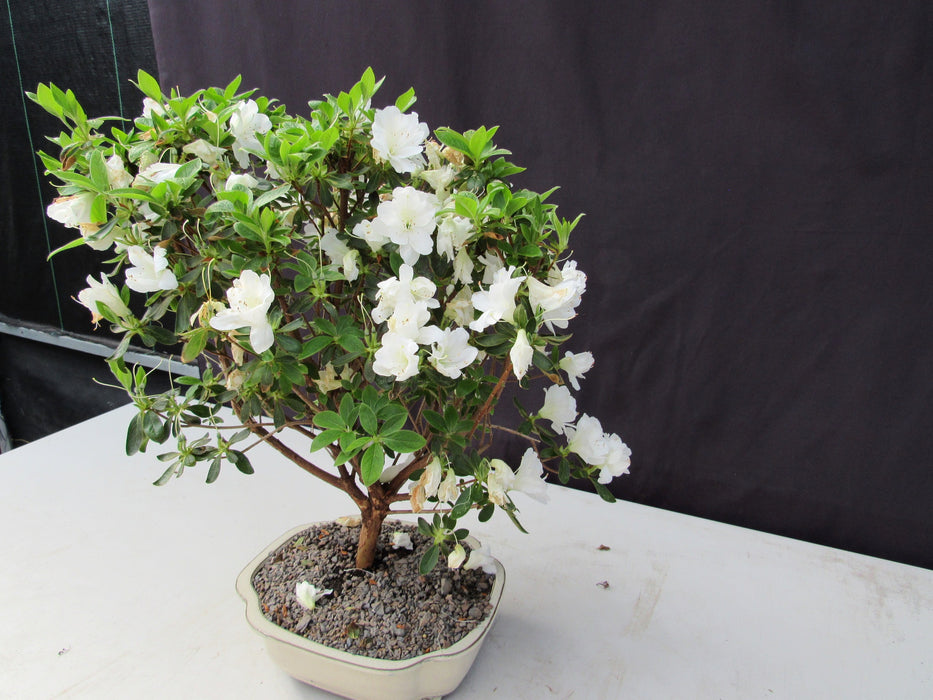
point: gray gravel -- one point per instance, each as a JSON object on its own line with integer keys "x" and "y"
{"x": 390, "y": 612}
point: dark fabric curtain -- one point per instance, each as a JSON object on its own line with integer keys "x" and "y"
{"x": 93, "y": 48}
{"x": 757, "y": 184}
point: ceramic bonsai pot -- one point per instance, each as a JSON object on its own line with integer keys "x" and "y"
{"x": 430, "y": 675}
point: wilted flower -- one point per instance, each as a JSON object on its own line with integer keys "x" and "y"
{"x": 481, "y": 558}
{"x": 456, "y": 557}
{"x": 448, "y": 492}
{"x": 308, "y": 594}
{"x": 116, "y": 172}
{"x": 401, "y": 540}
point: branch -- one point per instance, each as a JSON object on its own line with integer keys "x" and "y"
{"x": 305, "y": 464}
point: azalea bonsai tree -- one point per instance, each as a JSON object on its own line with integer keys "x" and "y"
{"x": 357, "y": 292}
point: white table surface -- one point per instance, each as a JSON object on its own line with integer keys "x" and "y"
{"x": 114, "y": 588}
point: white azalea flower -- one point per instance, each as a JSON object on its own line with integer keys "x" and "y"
{"x": 240, "y": 179}
{"x": 250, "y": 298}
{"x": 245, "y": 122}
{"x": 408, "y": 220}
{"x": 575, "y": 365}
{"x": 521, "y": 354}
{"x": 150, "y": 107}
{"x": 339, "y": 253}
{"x": 149, "y": 273}
{"x": 498, "y": 302}
{"x": 72, "y": 211}
{"x": 439, "y": 178}
{"x": 450, "y": 350}
{"x": 153, "y": 174}
{"x": 452, "y": 233}
{"x": 559, "y": 298}
{"x": 207, "y": 152}
{"x": 588, "y": 440}
{"x": 398, "y": 357}
{"x": 456, "y": 557}
{"x": 308, "y": 594}
{"x": 409, "y": 319}
{"x": 364, "y": 231}
{"x": 105, "y": 293}
{"x": 463, "y": 267}
{"x": 529, "y": 479}
{"x": 399, "y": 139}
{"x": 404, "y": 288}
{"x": 116, "y": 173}
{"x": 402, "y": 540}
{"x": 491, "y": 266}
{"x": 499, "y": 481}
{"x": 559, "y": 407}
{"x": 618, "y": 460}
{"x": 481, "y": 558}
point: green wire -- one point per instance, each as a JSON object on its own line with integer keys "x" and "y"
{"x": 32, "y": 148}
{"x": 116, "y": 68}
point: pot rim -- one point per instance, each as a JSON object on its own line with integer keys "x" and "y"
{"x": 267, "y": 628}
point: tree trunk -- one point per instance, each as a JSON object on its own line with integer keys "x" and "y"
{"x": 370, "y": 528}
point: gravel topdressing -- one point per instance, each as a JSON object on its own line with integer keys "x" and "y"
{"x": 389, "y": 612}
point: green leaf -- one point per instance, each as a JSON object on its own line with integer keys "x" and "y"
{"x": 330, "y": 420}
{"x": 325, "y": 438}
{"x": 368, "y": 419}
{"x": 135, "y": 438}
{"x": 603, "y": 492}
{"x": 486, "y": 512}
{"x": 149, "y": 85}
{"x": 405, "y": 101}
{"x": 372, "y": 463}
{"x": 314, "y": 346}
{"x": 167, "y": 474}
{"x": 429, "y": 560}
{"x": 435, "y": 420}
{"x": 404, "y": 441}
{"x": 195, "y": 345}
{"x": 240, "y": 461}
{"x": 99, "y": 171}
{"x": 451, "y": 138}
{"x": 214, "y": 470}
{"x": 348, "y": 410}
{"x": 152, "y": 425}
{"x": 68, "y": 246}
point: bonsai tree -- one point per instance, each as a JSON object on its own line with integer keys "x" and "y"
{"x": 357, "y": 293}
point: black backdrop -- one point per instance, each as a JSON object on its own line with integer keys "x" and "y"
{"x": 757, "y": 183}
